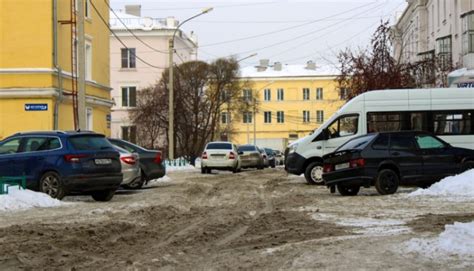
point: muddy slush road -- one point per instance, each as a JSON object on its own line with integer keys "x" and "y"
{"x": 251, "y": 220}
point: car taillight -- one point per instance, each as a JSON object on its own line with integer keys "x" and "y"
{"x": 128, "y": 160}
{"x": 74, "y": 158}
{"x": 327, "y": 168}
{"x": 204, "y": 155}
{"x": 157, "y": 158}
{"x": 357, "y": 163}
{"x": 231, "y": 155}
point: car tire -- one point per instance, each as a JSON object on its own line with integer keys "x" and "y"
{"x": 136, "y": 184}
{"x": 348, "y": 190}
{"x": 311, "y": 173}
{"x": 387, "y": 182}
{"x": 104, "y": 195}
{"x": 467, "y": 166}
{"x": 209, "y": 171}
{"x": 52, "y": 184}
{"x": 203, "y": 170}
{"x": 235, "y": 170}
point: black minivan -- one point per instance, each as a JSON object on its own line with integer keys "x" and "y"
{"x": 387, "y": 160}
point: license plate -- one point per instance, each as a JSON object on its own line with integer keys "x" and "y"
{"x": 103, "y": 161}
{"x": 341, "y": 166}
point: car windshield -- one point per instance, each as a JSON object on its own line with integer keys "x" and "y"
{"x": 219, "y": 146}
{"x": 90, "y": 142}
{"x": 269, "y": 151}
{"x": 247, "y": 148}
{"x": 356, "y": 143}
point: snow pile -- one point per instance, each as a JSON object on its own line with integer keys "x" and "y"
{"x": 457, "y": 239}
{"x": 158, "y": 182}
{"x": 19, "y": 199}
{"x": 461, "y": 185}
{"x": 179, "y": 168}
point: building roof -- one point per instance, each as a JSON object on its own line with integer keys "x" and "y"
{"x": 288, "y": 71}
{"x": 135, "y": 22}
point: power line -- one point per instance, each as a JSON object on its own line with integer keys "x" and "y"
{"x": 278, "y": 22}
{"x": 215, "y": 6}
{"x": 115, "y": 35}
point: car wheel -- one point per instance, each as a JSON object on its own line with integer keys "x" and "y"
{"x": 104, "y": 195}
{"x": 235, "y": 170}
{"x": 51, "y": 184}
{"x": 387, "y": 182}
{"x": 467, "y": 166}
{"x": 136, "y": 184}
{"x": 314, "y": 173}
{"x": 348, "y": 190}
{"x": 203, "y": 170}
{"x": 209, "y": 171}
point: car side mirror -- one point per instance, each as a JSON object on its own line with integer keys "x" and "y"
{"x": 240, "y": 152}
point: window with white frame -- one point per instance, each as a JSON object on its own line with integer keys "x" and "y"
{"x": 319, "y": 116}
{"x": 89, "y": 119}
{"x": 128, "y": 58}
{"x": 129, "y": 96}
{"x": 267, "y": 117}
{"x": 305, "y": 94}
{"x": 280, "y": 117}
{"x": 88, "y": 61}
{"x": 306, "y": 116}
{"x": 247, "y": 94}
{"x": 267, "y": 93}
{"x": 247, "y": 117}
{"x": 129, "y": 133}
{"x": 319, "y": 93}
{"x": 280, "y": 94}
{"x": 224, "y": 95}
{"x": 225, "y": 118}
{"x": 468, "y": 32}
{"x": 444, "y": 52}
{"x": 87, "y": 11}
{"x": 343, "y": 94}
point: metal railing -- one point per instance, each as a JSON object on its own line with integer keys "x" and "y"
{"x": 7, "y": 182}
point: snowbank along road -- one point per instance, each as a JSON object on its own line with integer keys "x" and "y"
{"x": 251, "y": 220}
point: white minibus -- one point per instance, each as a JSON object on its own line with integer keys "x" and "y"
{"x": 446, "y": 112}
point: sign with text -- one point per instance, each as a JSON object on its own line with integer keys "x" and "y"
{"x": 36, "y": 107}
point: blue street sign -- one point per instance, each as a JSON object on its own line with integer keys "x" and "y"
{"x": 36, "y": 107}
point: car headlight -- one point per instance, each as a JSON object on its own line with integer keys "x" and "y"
{"x": 293, "y": 148}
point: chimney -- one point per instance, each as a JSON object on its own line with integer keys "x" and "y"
{"x": 310, "y": 65}
{"x": 277, "y": 66}
{"x": 133, "y": 10}
{"x": 263, "y": 65}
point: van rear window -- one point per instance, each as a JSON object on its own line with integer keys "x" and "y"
{"x": 90, "y": 143}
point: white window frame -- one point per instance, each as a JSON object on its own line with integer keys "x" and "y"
{"x": 267, "y": 116}
{"x": 306, "y": 94}
{"x": 280, "y": 117}
{"x": 128, "y": 96}
{"x": 280, "y": 94}
{"x": 319, "y": 116}
{"x": 129, "y": 58}
{"x": 88, "y": 56}
{"x": 247, "y": 117}
{"x": 319, "y": 94}
{"x": 225, "y": 119}
{"x": 306, "y": 116}
{"x": 267, "y": 94}
{"x": 89, "y": 119}
{"x": 247, "y": 95}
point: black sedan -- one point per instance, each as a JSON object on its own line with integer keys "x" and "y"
{"x": 150, "y": 162}
{"x": 387, "y": 160}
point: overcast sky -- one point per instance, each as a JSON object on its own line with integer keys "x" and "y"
{"x": 289, "y": 31}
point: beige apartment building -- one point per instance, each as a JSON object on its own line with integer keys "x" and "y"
{"x": 441, "y": 28}
{"x": 138, "y": 60}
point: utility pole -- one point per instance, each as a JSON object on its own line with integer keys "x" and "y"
{"x": 171, "y": 101}
{"x": 254, "y": 121}
{"x": 81, "y": 55}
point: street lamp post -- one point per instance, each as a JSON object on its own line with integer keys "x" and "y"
{"x": 170, "y": 85}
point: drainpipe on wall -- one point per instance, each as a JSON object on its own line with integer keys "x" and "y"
{"x": 59, "y": 98}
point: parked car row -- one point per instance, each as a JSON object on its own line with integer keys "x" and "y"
{"x": 60, "y": 163}
{"x": 227, "y": 156}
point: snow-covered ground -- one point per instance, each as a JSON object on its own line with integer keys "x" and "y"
{"x": 457, "y": 187}
{"x": 19, "y": 199}
{"x": 179, "y": 168}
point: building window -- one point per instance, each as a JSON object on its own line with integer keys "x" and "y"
{"x": 305, "y": 94}
{"x": 224, "y": 95}
{"x": 306, "y": 116}
{"x": 129, "y": 133}
{"x": 247, "y": 94}
{"x": 89, "y": 119}
{"x": 343, "y": 94}
{"x": 280, "y": 94}
{"x": 444, "y": 52}
{"x": 468, "y": 33}
{"x": 129, "y": 96}
{"x": 225, "y": 118}
{"x": 319, "y": 93}
{"x": 128, "y": 57}
{"x": 247, "y": 117}
{"x": 87, "y": 9}
{"x": 268, "y": 117}
{"x": 88, "y": 61}
{"x": 267, "y": 94}
{"x": 280, "y": 117}
{"x": 319, "y": 116}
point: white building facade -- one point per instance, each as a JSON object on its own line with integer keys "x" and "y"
{"x": 128, "y": 71}
{"x": 436, "y": 28}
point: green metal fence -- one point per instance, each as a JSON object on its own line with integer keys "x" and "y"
{"x": 179, "y": 162}
{"x": 7, "y": 182}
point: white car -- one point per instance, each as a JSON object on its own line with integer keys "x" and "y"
{"x": 220, "y": 155}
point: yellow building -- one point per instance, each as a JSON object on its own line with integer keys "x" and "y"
{"x": 292, "y": 101}
{"x": 35, "y": 66}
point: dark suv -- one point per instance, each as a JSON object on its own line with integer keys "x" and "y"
{"x": 388, "y": 160}
{"x": 59, "y": 163}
